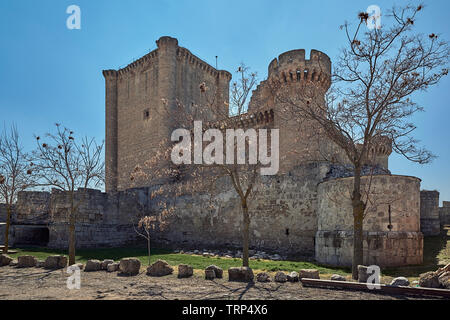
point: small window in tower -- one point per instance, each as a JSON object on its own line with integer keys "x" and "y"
{"x": 146, "y": 114}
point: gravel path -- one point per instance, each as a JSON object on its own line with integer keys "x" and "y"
{"x": 38, "y": 283}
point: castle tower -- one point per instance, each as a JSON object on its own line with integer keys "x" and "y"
{"x": 289, "y": 74}
{"x": 135, "y": 123}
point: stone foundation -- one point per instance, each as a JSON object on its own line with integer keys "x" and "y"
{"x": 384, "y": 249}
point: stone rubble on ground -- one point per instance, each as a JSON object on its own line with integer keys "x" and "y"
{"x": 105, "y": 264}
{"x": 26, "y": 262}
{"x": 113, "y": 267}
{"x": 5, "y": 260}
{"x": 240, "y": 274}
{"x": 93, "y": 265}
{"x": 253, "y": 254}
{"x": 263, "y": 277}
{"x": 293, "y": 276}
{"x": 159, "y": 268}
{"x": 55, "y": 262}
{"x": 210, "y": 274}
{"x": 309, "y": 273}
{"x": 185, "y": 271}
{"x": 280, "y": 277}
{"x": 130, "y": 266}
{"x": 436, "y": 279}
{"x": 217, "y": 270}
{"x": 337, "y": 277}
{"x": 400, "y": 281}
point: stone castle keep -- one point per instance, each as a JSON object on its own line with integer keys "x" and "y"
{"x": 304, "y": 210}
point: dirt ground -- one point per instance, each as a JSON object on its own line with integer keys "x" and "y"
{"x": 41, "y": 284}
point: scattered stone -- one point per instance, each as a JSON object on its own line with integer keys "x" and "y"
{"x": 240, "y": 274}
{"x": 415, "y": 282}
{"x": 113, "y": 267}
{"x": 26, "y": 262}
{"x": 309, "y": 273}
{"x": 443, "y": 269}
{"x": 130, "y": 266}
{"x": 217, "y": 270}
{"x": 338, "y": 277}
{"x": 93, "y": 265}
{"x": 400, "y": 281}
{"x": 362, "y": 274}
{"x": 185, "y": 271}
{"x": 280, "y": 277}
{"x": 210, "y": 274}
{"x": 263, "y": 277}
{"x": 159, "y": 269}
{"x": 444, "y": 280}
{"x": 5, "y": 260}
{"x": 105, "y": 263}
{"x": 429, "y": 280}
{"x": 55, "y": 262}
{"x": 77, "y": 265}
{"x": 293, "y": 276}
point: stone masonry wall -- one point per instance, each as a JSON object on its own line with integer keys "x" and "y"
{"x": 444, "y": 213}
{"x": 429, "y": 213}
{"x": 400, "y": 245}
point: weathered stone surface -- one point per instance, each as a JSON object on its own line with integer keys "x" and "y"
{"x": 429, "y": 280}
{"x": 400, "y": 281}
{"x": 55, "y": 262}
{"x": 240, "y": 274}
{"x": 280, "y": 277}
{"x": 93, "y": 265}
{"x": 78, "y": 265}
{"x": 185, "y": 271}
{"x": 113, "y": 267}
{"x": 105, "y": 263}
{"x": 210, "y": 274}
{"x": 263, "y": 277}
{"x": 444, "y": 280}
{"x": 5, "y": 260}
{"x": 217, "y": 270}
{"x": 362, "y": 274}
{"x": 159, "y": 269}
{"x": 337, "y": 277}
{"x": 293, "y": 276}
{"x": 309, "y": 273}
{"x": 129, "y": 266}
{"x": 26, "y": 262}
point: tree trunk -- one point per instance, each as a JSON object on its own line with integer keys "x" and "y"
{"x": 72, "y": 233}
{"x": 8, "y": 223}
{"x": 245, "y": 235}
{"x": 148, "y": 248}
{"x": 358, "y": 207}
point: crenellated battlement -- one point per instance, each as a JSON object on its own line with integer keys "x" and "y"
{"x": 292, "y": 66}
{"x": 381, "y": 146}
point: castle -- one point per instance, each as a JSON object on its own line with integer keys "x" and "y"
{"x": 304, "y": 210}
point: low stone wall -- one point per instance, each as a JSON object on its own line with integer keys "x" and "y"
{"x": 429, "y": 213}
{"x": 384, "y": 249}
{"x": 393, "y": 201}
{"x": 444, "y": 213}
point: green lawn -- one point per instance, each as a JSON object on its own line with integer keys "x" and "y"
{"x": 436, "y": 254}
{"x": 198, "y": 262}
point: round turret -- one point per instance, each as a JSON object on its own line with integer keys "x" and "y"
{"x": 292, "y": 66}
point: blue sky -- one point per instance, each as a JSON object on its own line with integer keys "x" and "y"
{"x": 50, "y": 74}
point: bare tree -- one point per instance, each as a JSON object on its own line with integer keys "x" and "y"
{"x": 15, "y": 174}
{"x": 371, "y": 100}
{"x": 64, "y": 164}
{"x": 241, "y": 89}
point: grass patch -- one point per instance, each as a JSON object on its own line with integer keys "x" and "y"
{"x": 174, "y": 259}
{"x": 436, "y": 254}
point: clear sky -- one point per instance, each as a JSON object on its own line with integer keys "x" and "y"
{"x": 50, "y": 74}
